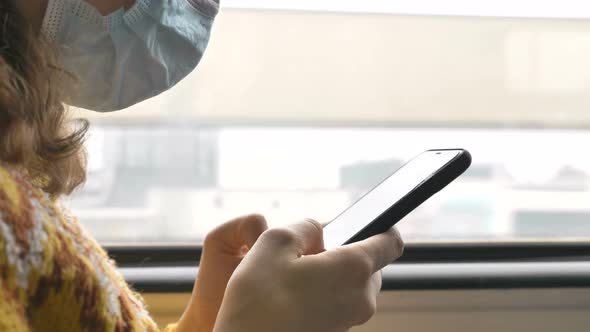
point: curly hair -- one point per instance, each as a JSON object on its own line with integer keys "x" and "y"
{"x": 36, "y": 136}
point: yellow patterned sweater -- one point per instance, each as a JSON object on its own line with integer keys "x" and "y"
{"x": 53, "y": 275}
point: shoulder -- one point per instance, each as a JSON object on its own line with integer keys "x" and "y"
{"x": 23, "y": 213}
{"x": 12, "y": 188}
{"x": 17, "y": 192}
{"x": 20, "y": 202}
{"x": 17, "y": 205}
{"x": 46, "y": 256}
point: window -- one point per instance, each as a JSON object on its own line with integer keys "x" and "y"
{"x": 295, "y": 113}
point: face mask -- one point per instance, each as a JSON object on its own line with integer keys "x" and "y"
{"x": 126, "y": 57}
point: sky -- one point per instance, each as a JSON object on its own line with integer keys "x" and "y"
{"x": 501, "y": 8}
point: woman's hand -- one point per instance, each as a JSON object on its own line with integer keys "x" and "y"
{"x": 277, "y": 288}
{"x": 223, "y": 250}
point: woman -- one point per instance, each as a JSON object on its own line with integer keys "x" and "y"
{"x": 54, "y": 276}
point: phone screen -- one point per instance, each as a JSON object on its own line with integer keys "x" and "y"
{"x": 383, "y": 196}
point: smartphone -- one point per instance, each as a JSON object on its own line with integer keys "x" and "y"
{"x": 396, "y": 196}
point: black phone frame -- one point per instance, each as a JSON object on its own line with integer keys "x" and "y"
{"x": 426, "y": 189}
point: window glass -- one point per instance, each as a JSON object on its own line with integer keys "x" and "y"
{"x": 295, "y": 114}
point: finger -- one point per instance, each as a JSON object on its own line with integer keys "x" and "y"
{"x": 296, "y": 240}
{"x": 238, "y": 232}
{"x": 250, "y": 229}
{"x": 381, "y": 249}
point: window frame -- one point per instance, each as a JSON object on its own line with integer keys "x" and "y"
{"x": 415, "y": 253}
{"x": 424, "y": 266}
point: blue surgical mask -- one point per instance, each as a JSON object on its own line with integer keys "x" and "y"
{"x": 128, "y": 56}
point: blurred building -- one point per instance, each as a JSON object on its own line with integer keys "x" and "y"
{"x": 136, "y": 159}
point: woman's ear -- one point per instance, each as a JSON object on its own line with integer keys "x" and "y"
{"x": 33, "y": 10}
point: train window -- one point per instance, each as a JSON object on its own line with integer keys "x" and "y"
{"x": 299, "y": 108}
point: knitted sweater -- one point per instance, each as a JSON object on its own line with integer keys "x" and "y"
{"x": 53, "y": 275}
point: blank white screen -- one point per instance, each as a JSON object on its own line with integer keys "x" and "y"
{"x": 378, "y": 200}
